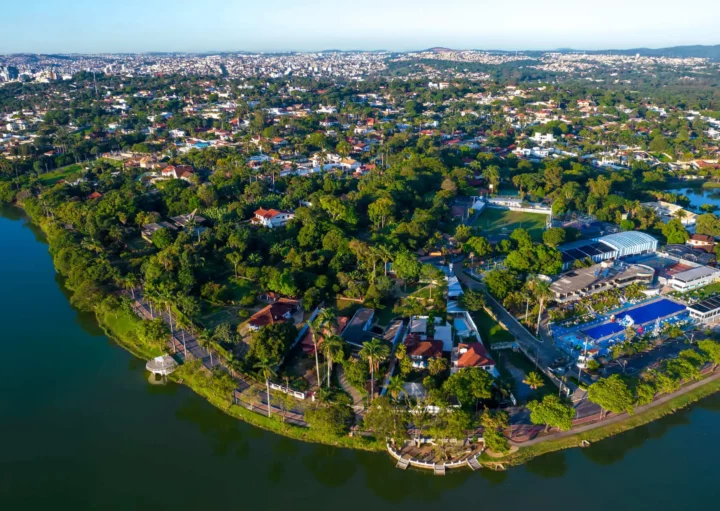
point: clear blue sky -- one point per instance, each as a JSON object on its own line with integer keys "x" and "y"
{"x": 43, "y": 26}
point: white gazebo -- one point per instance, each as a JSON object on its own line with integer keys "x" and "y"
{"x": 162, "y": 365}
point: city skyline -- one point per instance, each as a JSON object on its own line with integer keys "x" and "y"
{"x": 50, "y": 26}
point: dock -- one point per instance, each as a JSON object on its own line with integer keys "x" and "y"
{"x": 473, "y": 463}
{"x": 439, "y": 469}
{"x": 403, "y": 463}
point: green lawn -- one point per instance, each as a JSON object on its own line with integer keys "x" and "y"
{"x": 498, "y": 221}
{"x": 50, "y": 178}
{"x": 346, "y": 307}
{"x": 490, "y": 330}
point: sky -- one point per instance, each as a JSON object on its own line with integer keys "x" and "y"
{"x": 117, "y": 26}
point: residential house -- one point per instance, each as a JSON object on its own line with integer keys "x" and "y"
{"x": 471, "y": 354}
{"x": 421, "y": 351}
{"x": 147, "y": 230}
{"x": 357, "y": 330}
{"x": 272, "y": 218}
{"x": 184, "y": 172}
{"x": 701, "y": 242}
{"x": 277, "y": 312}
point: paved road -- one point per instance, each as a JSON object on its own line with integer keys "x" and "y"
{"x": 544, "y": 353}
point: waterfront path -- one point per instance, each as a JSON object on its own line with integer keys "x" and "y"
{"x": 185, "y": 345}
{"x": 614, "y": 419}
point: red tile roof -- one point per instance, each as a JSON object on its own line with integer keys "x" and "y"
{"x": 307, "y": 344}
{"x": 425, "y": 349}
{"x": 475, "y": 356}
{"x": 273, "y": 313}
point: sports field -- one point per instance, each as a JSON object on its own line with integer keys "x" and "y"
{"x": 499, "y": 221}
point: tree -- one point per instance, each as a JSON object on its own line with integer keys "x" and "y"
{"x": 388, "y": 419}
{"x": 534, "y": 380}
{"x": 153, "y": 333}
{"x": 333, "y": 347}
{"x": 431, "y": 274}
{"x": 541, "y": 290}
{"x": 204, "y": 339}
{"x": 708, "y": 224}
{"x": 675, "y": 232}
{"x": 267, "y": 371}
{"x": 437, "y": 365}
{"x": 395, "y": 386}
{"x": 554, "y": 236}
{"x": 315, "y": 327}
{"x": 407, "y": 267}
{"x": 612, "y": 394}
{"x": 552, "y": 412}
{"x": 272, "y": 341}
{"x": 493, "y": 424}
{"x": 162, "y": 238}
{"x": 711, "y": 349}
{"x": 380, "y": 210}
{"x": 375, "y": 352}
{"x": 472, "y": 301}
{"x": 328, "y": 325}
{"x": 469, "y": 385}
{"x": 479, "y": 246}
{"x": 235, "y": 258}
{"x": 501, "y": 283}
{"x": 331, "y": 419}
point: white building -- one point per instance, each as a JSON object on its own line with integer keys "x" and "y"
{"x": 271, "y": 218}
{"x": 693, "y": 278}
{"x": 543, "y": 138}
{"x": 630, "y": 243}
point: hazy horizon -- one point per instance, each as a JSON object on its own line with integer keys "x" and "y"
{"x": 144, "y": 26}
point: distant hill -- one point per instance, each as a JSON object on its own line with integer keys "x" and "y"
{"x": 700, "y": 51}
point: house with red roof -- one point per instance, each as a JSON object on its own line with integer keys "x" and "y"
{"x": 271, "y": 218}
{"x": 421, "y": 351}
{"x": 184, "y": 172}
{"x": 278, "y": 312}
{"x": 471, "y": 354}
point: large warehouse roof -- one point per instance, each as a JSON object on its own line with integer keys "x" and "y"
{"x": 624, "y": 240}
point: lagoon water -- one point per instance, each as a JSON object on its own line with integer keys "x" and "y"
{"x": 81, "y": 428}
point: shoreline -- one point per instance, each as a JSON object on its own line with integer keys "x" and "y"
{"x": 543, "y": 445}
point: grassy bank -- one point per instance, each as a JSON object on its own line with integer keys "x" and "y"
{"x": 525, "y": 454}
{"x": 120, "y": 328}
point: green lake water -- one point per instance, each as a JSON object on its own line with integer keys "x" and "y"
{"x": 81, "y": 428}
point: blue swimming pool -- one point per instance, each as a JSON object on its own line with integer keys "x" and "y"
{"x": 641, "y": 315}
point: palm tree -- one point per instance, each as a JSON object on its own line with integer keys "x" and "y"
{"x": 267, "y": 369}
{"x": 167, "y": 298}
{"x": 333, "y": 350}
{"x": 328, "y": 319}
{"x": 152, "y": 297}
{"x": 204, "y": 339}
{"x": 534, "y": 380}
{"x": 182, "y": 325}
{"x": 375, "y": 352}
{"x": 130, "y": 282}
{"x": 541, "y": 290}
{"x": 315, "y": 327}
{"x": 395, "y": 386}
{"x": 234, "y": 258}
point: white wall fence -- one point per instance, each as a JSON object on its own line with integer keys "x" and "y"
{"x": 287, "y": 390}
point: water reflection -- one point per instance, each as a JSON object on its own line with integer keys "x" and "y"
{"x": 331, "y": 467}
{"x": 549, "y": 465}
{"x": 412, "y": 485}
{"x": 613, "y": 450}
{"x": 222, "y": 431}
